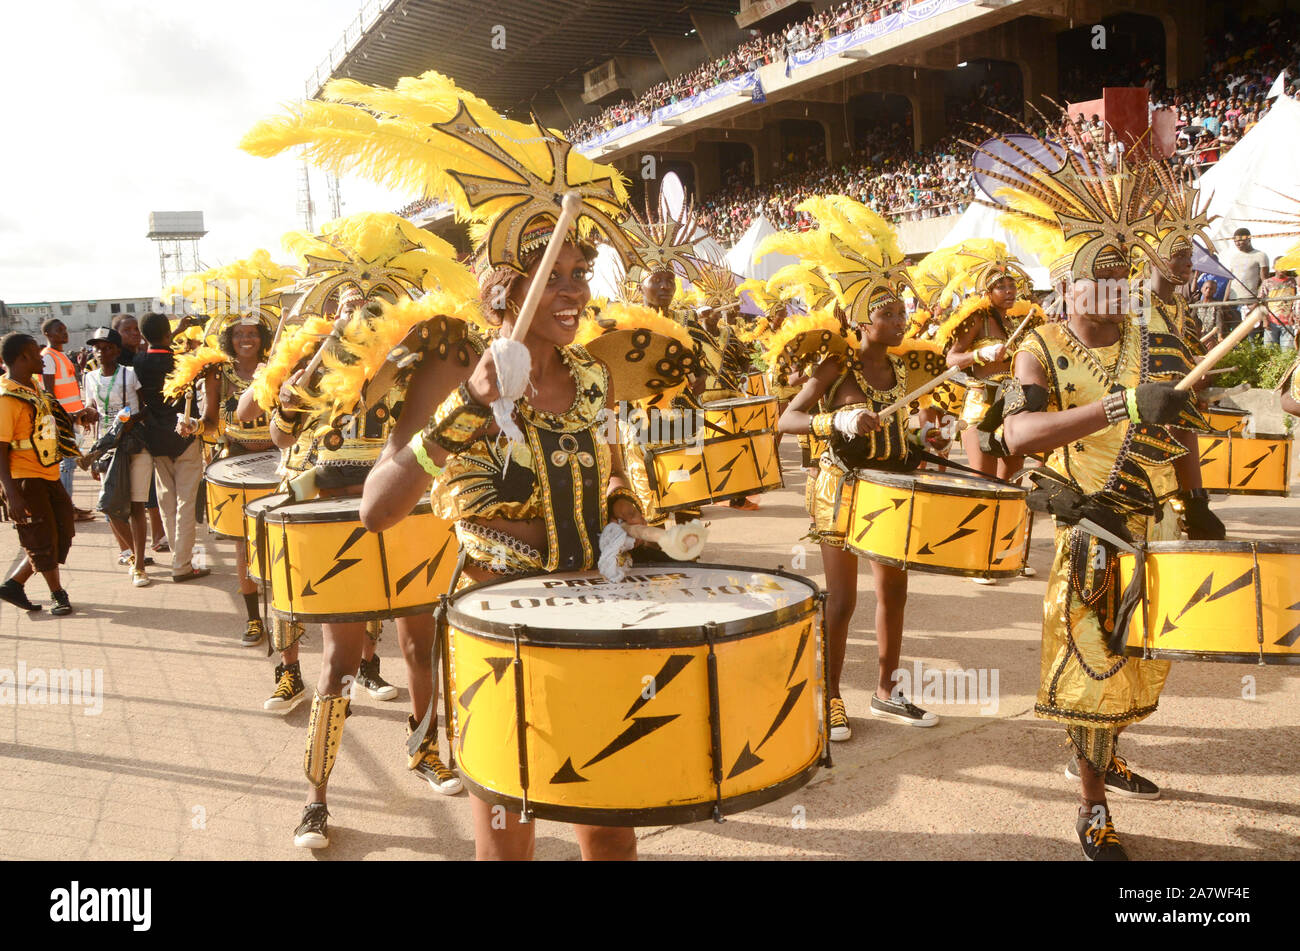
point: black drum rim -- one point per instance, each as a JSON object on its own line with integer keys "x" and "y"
{"x": 649, "y": 815}
{"x": 1213, "y": 657}
{"x": 1227, "y": 547}
{"x": 293, "y": 514}
{"x": 906, "y": 565}
{"x": 901, "y": 480}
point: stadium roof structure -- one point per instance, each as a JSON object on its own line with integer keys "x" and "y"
{"x": 547, "y": 42}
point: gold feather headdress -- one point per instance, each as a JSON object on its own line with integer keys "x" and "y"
{"x": 985, "y": 261}
{"x": 377, "y": 256}
{"x": 244, "y": 291}
{"x": 715, "y": 287}
{"x": 1176, "y": 204}
{"x": 666, "y": 243}
{"x": 428, "y": 136}
{"x": 1102, "y": 205}
{"x": 857, "y": 252}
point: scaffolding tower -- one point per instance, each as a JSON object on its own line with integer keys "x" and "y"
{"x": 177, "y": 234}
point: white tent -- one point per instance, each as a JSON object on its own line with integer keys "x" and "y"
{"x": 980, "y": 221}
{"x": 1246, "y": 184}
{"x": 741, "y": 257}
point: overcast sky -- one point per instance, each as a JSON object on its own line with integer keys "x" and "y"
{"x": 115, "y": 108}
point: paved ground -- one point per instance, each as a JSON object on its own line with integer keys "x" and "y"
{"x": 183, "y": 763}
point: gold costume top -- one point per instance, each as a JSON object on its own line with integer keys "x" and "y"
{"x": 560, "y": 475}
{"x": 887, "y": 447}
{"x": 1130, "y": 463}
{"x": 345, "y": 453}
{"x": 240, "y": 437}
{"x": 828, "y": 491}
{"x": 1179, "y": 320}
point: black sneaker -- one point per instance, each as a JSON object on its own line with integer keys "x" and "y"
{"x": 368, "y": 678}
{"x": 289, "y": 689}
{"x": 429, "y": 765}
{"x": 1120, "y": 780}
{"x": 16, "y": 595}
{"x": 61, "y": 604}
{"x": 902, "y": 711}
{"x": 254, "y": 634}
{"x": 1098, "y": 838}
{"x": 312, "y": 832}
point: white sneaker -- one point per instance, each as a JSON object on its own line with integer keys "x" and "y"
{"x": 840, "y": 729}
{"x": 1028, "y": 572}
{"x": 988, "y": 581}
{"x": 139, "y": 579}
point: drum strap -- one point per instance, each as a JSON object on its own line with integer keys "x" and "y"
{"x": 439, "y": 632}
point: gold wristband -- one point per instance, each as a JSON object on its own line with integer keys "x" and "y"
{"x": 422, "y": 455}
{"x": 282, "y": 424}
{"x": 458, "y": 421}
{"x": 823, "y": 425}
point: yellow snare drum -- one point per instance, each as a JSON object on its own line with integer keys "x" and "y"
{"x": 233, "y": 483}
{"x": 680, "y": 693}
{"x": 712, "y": 471}
{"x": 325, "y": 566}
{"x": 253, "y": 545}
{"x": 1241, "y": 466}
{"x": 943, "y": 522}
{"x": 748, "y": 414}
{"x": 756, "y": 383}
{"x": 1237, "y": 602}
{"x": 1226, "y": 419}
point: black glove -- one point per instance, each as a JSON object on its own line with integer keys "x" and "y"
{"x": 1202, "y": 524}
{"x": 1160, "y": 403}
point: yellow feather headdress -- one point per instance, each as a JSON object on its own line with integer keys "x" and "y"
{"x": 245, "y": 291}
{"x": 381, "y": 257}
{"x": 428, "y": 136}
{"x": 985, "y": 261}
{"x": 858, "y": 254}
{"x": 297, "y": 342}
{"x": 809, "y": 338}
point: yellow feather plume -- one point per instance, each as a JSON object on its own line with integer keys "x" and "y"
{"x": 808, "y": 339}
{"x": 295, "y": 344}
{"x": 188, "y": 367}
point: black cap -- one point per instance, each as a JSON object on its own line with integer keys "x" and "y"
{"x": 106, "y": 335}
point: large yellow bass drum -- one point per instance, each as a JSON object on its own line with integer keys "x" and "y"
{"x": 943, "y": 522}
{"x": 235, "y": 481}
{"x": 1230, "y": 601}
{"x": 681, "y": 693}
{"x": 737, "y": 417}
{"x": 256, "y": 540}
{"x": 324, "y": 566}
{"x": 713, "y": 470}
{"x": 1239, "y": 465}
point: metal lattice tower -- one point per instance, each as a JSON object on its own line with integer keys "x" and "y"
{"x": 177, "y": 234}
{"x": 306, "y": 207}
{"x": 336, "y": 200}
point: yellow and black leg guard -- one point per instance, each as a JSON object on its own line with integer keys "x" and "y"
{"x": 324, "y": 734}
{"x": 374, "y": 629}
{"x": 284, "y": 634}
{"x": 428, "y": 742}
{"x": 1094, "y": 744}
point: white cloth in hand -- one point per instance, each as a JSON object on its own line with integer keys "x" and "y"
{"x": 514, "y": 365}
{"x": 989, "y": 352}
{"x": 846, "y": 421}
{"x": 614, "y": 540}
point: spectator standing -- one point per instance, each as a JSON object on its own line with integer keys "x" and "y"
{"x": 35, "y": 434}
{"x": 132, "y": 343}
{"x": 1250, "y": 266}
{"x": 59, "y": 377}
{"x": 1281, "y": 316}
{"x": 114, "y": 391}
{"x": 177, "y": 461}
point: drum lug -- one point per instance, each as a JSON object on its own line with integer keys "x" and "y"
{"x": 715, "y": 720}
{"x": 521, "y": 724}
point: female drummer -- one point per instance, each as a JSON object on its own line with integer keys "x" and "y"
{"x": 839, "y": 405}
{"x": 980, "y": 344}
{"x": 247, "y": 341}
{"x": 508, "y": 520}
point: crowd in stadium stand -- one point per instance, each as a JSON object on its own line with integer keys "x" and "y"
{"x": 1214, "y": 112}
{"x": 747, "y": 57}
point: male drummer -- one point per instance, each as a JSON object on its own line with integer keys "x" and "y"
{"x": 349, "y": 656}
{"x": 1082, "y": 391}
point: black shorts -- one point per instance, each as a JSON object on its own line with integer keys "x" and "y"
{"x": 46, "y": 536}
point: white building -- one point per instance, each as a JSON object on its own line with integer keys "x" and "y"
{"x": 79, "y": 316}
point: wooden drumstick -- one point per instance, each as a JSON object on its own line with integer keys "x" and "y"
{"x": 1221, "y": 350}
{"x": 316, "y": 357}
{"x": 893, "y": 408}
{"x": 569, "y": 209}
